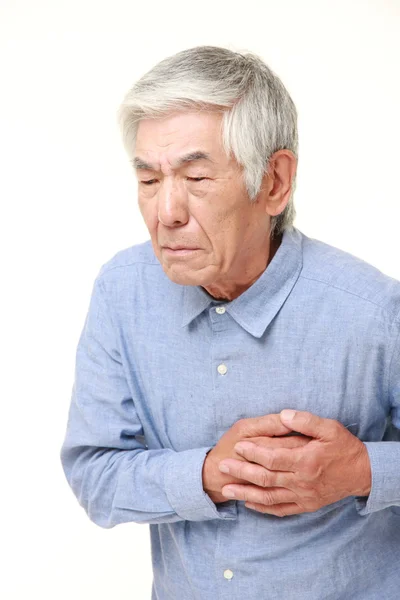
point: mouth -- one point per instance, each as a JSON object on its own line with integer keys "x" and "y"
{"x": 179, "y": 250}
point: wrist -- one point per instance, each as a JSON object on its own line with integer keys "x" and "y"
{"x": 365, "y": 473}
{"x": 207, "y": 474}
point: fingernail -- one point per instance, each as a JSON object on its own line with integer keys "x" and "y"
{"x": 224, "y": 468}
{"x": 288, "y": 414}
{"x": 228, "y": 492}
{"x": 243, "y": 446}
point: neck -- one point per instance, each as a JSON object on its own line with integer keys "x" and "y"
{"x": 231, "y": 289}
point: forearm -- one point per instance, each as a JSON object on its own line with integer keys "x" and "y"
{"x": 114, "y": 476}
{"x": 143, "y": 486}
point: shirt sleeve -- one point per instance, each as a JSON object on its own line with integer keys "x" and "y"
{"x": 385, "y": 456}
{"x": 112, "y": 473}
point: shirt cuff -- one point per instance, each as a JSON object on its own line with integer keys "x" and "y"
{"x": 385, "y": 468}
{"x": 183, "y": 483}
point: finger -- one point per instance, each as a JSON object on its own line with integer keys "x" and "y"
{"x": 278, "y": 510}
{"x": 285, "y": 441}
{"x": 270, "y": 425}
{"x": 253, "y": 493}
{"x": 277, "y": 459}
{"x": 255, "y": 473}
{"x": 310, "y": 424}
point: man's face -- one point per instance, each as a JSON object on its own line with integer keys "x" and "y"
{"x": 191, "y": 195}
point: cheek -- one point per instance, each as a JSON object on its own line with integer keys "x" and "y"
{"x": 223, "y": 222}
{"x": 148, "y": 210}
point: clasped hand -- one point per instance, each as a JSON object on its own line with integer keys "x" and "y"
{"x": 329, "y": 464}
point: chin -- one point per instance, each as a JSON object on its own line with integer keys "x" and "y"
{"x": 185, "y": 277}
{"x": 182, "y": 278}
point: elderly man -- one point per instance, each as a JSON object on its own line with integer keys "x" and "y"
{"x": 235, "y": 379}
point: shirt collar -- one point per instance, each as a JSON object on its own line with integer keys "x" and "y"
{"x": 255, "y": 308}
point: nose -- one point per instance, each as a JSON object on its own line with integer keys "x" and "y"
{"x": 172, "y": 204}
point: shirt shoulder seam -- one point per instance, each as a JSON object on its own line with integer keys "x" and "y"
{"x": 105, "y": 270}
{"x": 395, "y": 316}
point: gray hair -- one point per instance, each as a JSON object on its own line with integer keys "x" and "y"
{"x": 259, "y": 116}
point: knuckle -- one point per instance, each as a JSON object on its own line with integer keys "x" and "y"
{"x": 264, "y": 479}
{"x": 246, "y": 495}
{"x": 237, "y": 471}
{"x": 239, "y": 425}
{"x": 267, "y": 498}
{"x": 268, "y": 459}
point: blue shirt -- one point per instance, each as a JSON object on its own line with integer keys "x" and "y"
{"x": 317, "y": 331}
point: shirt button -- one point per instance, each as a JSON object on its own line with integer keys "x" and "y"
{"x": 228, "y": 574}
{"x": 222, "y": 369}
{"x": 220, "y": 310}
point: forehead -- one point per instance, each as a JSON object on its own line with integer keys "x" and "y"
{"x": 169, "y": 138}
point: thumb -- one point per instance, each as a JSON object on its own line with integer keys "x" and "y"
{"x": 267, "y": 425}
{"x": 309, "y": 424}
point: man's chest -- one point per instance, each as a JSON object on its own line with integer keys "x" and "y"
{"x": 196, "y": 382}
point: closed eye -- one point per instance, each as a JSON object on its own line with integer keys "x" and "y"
{"x": 151, "y": 181}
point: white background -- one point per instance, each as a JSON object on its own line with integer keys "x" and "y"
{"x": 68, "y": 203}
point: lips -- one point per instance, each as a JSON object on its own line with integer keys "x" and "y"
{"x": 180, "y": 248}
{"x": 180, "y": 252}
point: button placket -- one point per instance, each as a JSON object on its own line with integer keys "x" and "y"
{"x": 222, "y": 330}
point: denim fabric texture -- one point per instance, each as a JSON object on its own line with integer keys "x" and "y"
{"x": 318, "y": 331}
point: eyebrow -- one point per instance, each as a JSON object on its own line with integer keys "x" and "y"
{"x": 138, "y": 163}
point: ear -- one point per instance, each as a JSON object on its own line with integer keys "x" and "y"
{"x": 277, "y": 182}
